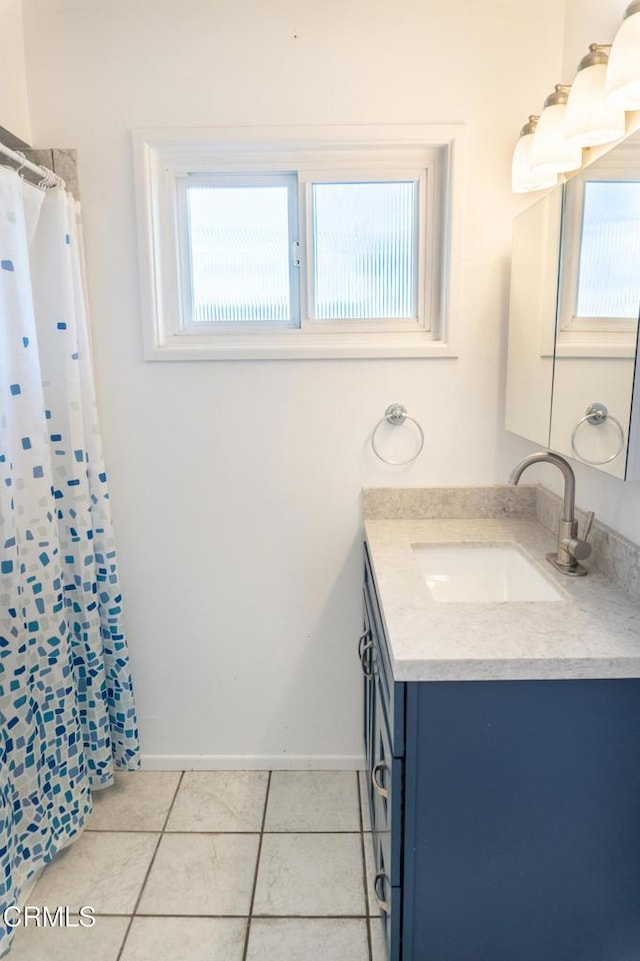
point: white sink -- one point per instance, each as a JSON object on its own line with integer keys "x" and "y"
{"x": 458, "y": 573}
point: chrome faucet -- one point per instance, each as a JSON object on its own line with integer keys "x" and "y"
{"x": 571, "y": 548}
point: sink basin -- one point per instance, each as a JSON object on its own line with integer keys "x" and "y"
{"x": 458, "y": 573}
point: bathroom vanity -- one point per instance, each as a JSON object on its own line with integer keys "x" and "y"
{"x": 503, "y": 751}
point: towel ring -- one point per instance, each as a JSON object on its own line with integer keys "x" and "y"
{"x": 596, "y": 415}
{"x": 396, "y": 414}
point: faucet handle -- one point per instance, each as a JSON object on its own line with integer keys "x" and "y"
{"x": 579, "y": 547}
{"x": 587, "y": 525}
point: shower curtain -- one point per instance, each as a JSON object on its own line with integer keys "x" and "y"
{"x": 67, "y": 712}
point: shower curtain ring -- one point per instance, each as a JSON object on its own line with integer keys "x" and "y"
{"x": 48, "y": 180}
{"x": 23, "y": 162}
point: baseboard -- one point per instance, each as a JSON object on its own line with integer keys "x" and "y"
{"x": 247, "y": 762}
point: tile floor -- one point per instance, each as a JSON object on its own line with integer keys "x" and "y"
{"x": 216, "y": 866}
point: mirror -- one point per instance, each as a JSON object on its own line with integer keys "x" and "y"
{"x": 597, "y": 318}
{"x": 573, "y": 317}
{"x": 532, "y": 310}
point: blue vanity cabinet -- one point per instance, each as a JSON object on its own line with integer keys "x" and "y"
{"x": 505, "y": 814}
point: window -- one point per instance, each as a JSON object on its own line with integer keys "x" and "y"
{"x": 285, "y": 246}
{"x": 365, "y": 250}
{"x": 237, "y": 265}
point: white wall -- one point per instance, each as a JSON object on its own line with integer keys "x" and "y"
{"x": 14, "y": 107}
{"x": 615, "y": 503}
{"x": 588, "y": 21}
{"x": 236, "y": 485}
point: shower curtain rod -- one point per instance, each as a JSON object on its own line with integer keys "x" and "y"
{"x": 48, "y": 178}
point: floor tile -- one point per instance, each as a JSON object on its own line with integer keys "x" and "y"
{"x": 378, "y": 941}
{"x": 310, "y": 874}
{"x": 137, "y": 801}
{"x": 313, "y": 801}
{"x": 220, "y": 801}
{"x": 102, "y": 942}
{"x": 185, "y": 939}
{"x": 364, "y": 800}
{"x": 332, "y": 939}
{"x": 370, "y": 868}
{"x": 105, "y": 870}
{"x": 202, "y": 874}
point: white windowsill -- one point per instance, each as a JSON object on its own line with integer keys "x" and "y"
{"x": 306, "y": 347}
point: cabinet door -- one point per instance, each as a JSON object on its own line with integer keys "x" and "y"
{"x": 522, "y": 821}
{"x": 366, "y": 654}
{"x": 389, "y": 903}
{"x": 392, "y": 693}
{"x": 386, "y": 791}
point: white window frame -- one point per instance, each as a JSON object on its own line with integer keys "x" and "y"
{"x": 590, "y": 336}
{"x": 433, "y": 155}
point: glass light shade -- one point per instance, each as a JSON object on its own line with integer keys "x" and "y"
{"x": 550, "y": 152}
{"x": 522, "y": 179}
{"x": 623, "y": 72}
{"x": 590, "y": 119}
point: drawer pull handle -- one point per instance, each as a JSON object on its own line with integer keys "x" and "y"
{"x": 379, "y": 767}
{"x": 363, "y": 637}
{"x": 379, "y": 880}
{"x": 367, "y": 668}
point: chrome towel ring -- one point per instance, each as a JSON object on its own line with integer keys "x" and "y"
{"x": 596, "y": 415}
{"x": 396, "y": 414}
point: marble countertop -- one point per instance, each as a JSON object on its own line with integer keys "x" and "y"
{"x": 594, "y": 633}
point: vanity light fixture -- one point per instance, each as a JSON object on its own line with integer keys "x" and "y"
{"x": 590, "y": 119}
{"x": 550, "y": 152}
{"x": 588, "y": 114}
{"x": 623, "y": 72}
{"x": 523, "y": 179}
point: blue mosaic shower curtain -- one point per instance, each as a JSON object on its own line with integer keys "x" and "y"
{"x": 67, "y": 712}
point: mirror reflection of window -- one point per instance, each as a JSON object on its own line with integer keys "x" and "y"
{"x": 609, "y": 260}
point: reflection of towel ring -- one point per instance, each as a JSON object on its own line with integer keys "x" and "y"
{"x": 596, "y": 415}
{"x": 396, "y": 414}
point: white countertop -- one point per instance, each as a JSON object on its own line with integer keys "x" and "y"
{"x": 594, "y": 633}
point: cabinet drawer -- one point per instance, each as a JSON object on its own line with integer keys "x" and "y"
{"x": 392, "y": 693}
{"x": 386, "y": 787}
